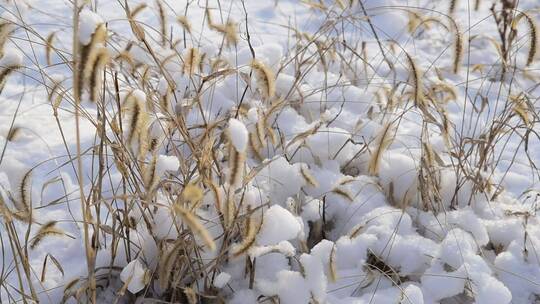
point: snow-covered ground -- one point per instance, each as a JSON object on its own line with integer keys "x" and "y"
{"x": 337, "y": 223}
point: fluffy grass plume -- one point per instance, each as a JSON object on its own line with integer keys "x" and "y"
{"x": 191, "y": 60}
{"x": 520, "y": 107}
{"x": 5, "y": 29}
{"x": 252, "y": 228}
{"x": 8, "y": 64}
{"x": 382, "y": 142}
{"x": 265, "y": 79}
{"x": 416, "y": 77}
{"x": 184, "y": 23}
{"x": 332, "y": 265}
{"x": 49, "y": 47}
{"x": 162, "y": 22}
{"x": 343, "y": 193}
{"x": 24, "y": 203}
{"x": 150, "y": 177}
{"x": 236, "y": 165}
{"x": 452, "y": 7}
{"x": 308, "y": 177}
{"x": 192, "y": 194}
{"x": 88, "y": 56}
{"x": 166, "y": 263}
{"x": 458, "y": 46}
{"x": 228, "y": 30}
{"x": 190, "y": 219}
{"x": 533, "y": 35}
{"x": 138, "y": 120}
{"x": 95, "y": 70}
{"x": 137, "y": 30}
{"x": 216, "y": 192}
{"x": 13, "y": 133}
{"x": 46, "y": 230}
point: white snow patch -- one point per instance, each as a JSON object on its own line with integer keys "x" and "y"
{"x": 238, "y": 134}
{"x": 88, "y": 22}
{"x": 278, "y": 225}
{"x": 222, "y": 279}
{"x": 133, "y": 275}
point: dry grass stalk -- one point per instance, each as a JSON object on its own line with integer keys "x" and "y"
{"x": 356, "y": 231}
{"x": 229, "y": 209}
{"x": 5, "y": 212}
{"x": 191, "y": 295}
{"x": 150, "y": 177}
{"x": 477, "y": 5}
{"x": 205, "y": 165}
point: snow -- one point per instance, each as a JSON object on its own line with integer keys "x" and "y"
{"x": 317, "y": 243}
{"x": 166, "y": 163}
{"x": 244, "y": 296}
{"x": 11, "y": 58}
{"x": 221, "y": 279}
{"x": 238, "y": 134}
{"x": 292, "y": 287}
{"x": 286, "y": 248}
{"x": 280, "y": 180}
{"x": 523, "y": 286}
{"x": 457, "y": 245}
{"x": 315, "y": 276}
{"x": 440, "y": 284}
{"x": 278, "y": 225}
{"x": 88, "y": 22}
{"x": 133, "y": 275}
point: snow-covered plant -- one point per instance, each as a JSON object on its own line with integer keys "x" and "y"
{"x": 327, "y": 152}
